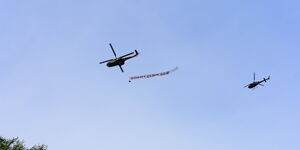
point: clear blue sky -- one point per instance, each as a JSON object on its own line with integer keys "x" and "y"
{"x": 54, "y": 92}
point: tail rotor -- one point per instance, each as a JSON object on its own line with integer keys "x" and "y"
{"x": 265, "y": 79}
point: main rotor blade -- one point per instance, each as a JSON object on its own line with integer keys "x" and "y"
{"x": 121, "y": 68}
{"x": 113, "y": 50}
{"x": 127, "y": 54}
{"x": 254, "y": 76}
{"x": 105, "y": 61}
{"x": 261, "y": 84}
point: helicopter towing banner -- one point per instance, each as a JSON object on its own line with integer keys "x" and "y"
{"x": 153, "y": 75}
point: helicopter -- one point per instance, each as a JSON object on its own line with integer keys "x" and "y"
{"x": 119, "y": 61}
{"x": 255, "y": 83}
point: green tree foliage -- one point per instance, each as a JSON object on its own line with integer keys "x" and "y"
{"x": 16, "y": 144}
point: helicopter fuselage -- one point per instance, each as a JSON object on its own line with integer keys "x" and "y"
{"x": 116, "y": 62}
{"x": 254, "y": 84}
